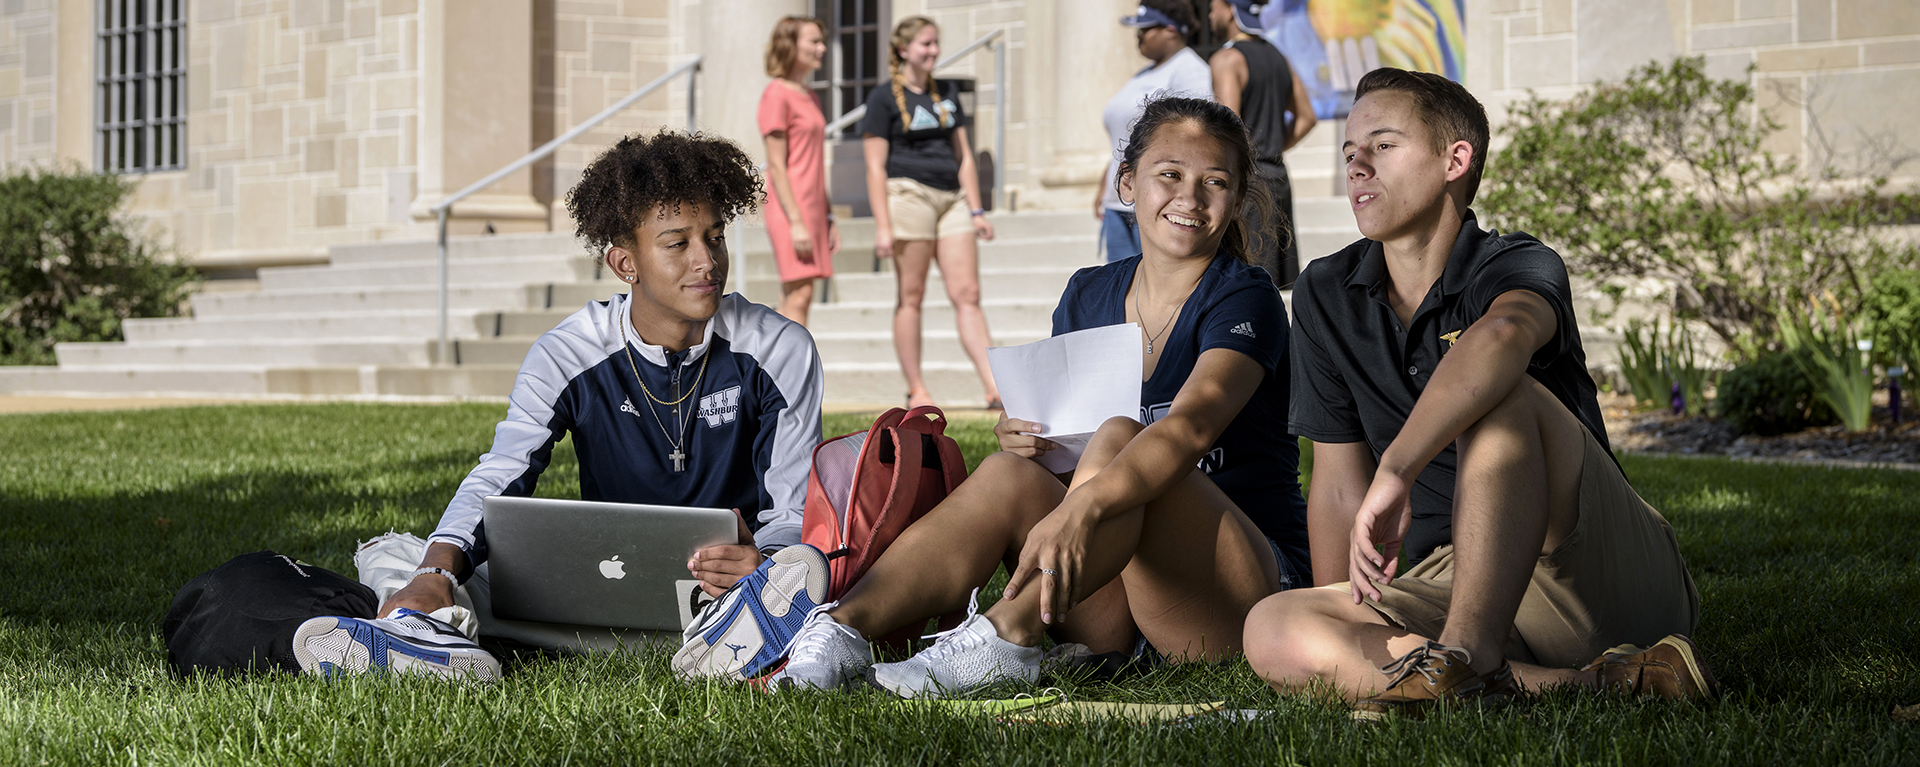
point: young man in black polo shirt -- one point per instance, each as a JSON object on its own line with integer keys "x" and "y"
{"x": 1439, "y": 372}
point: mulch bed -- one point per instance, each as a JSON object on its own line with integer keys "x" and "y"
{"x": 1661, "y": 432}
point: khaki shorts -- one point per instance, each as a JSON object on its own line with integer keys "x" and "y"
{"x": 1618, "y": 578}
{"x": 921, "y": 212}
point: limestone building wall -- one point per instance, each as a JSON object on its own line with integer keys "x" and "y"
{"x": 1841, "y": 76}
{"x": 313, "y": 122}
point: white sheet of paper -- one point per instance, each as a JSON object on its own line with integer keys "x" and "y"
{"x": 1070, "y": 384}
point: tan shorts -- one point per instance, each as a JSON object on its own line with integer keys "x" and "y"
{"x": 921, "y": 212}
{"x": 1618, "y": 578}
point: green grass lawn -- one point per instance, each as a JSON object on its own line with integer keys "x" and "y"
{"x": 1809, "y": 578}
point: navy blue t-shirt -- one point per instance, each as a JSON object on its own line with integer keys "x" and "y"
{"x": 1235, "y": 306}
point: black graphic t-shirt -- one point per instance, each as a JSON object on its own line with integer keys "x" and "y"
{"x": 1235, "y": 306}
{"x": 921, "y": 146}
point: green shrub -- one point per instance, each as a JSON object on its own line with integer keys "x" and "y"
{"x": 1654, "y": 357}
{"x": 1827, "y": 350}
{"x": 1771, "y": 394}
{"x": 71, "y": 269}
{"x": 1665, "y": 175}
{"x": 1892, "y": 308}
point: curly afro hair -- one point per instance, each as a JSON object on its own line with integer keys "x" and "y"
{"x": 643, "y": 173}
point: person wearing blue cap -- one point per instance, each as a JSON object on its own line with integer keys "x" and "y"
{"x": 1162, "y": 28}
{"x": 1252, "y": 78}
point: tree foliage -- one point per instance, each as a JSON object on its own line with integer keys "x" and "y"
{"x": 1665, "y": 175}
{"x": 71, "y": 267}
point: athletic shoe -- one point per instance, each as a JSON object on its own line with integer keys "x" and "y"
{"x": 825, "y": 655}
{"x": 1669, "y": 669}
{"x": 970, "y": 656}
{"x": 1434, "y": 674}
{"x": 746, "y": 631}
{"x": 405, "y": 642}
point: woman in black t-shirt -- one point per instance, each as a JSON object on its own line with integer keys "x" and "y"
{"x": 926, "y": 200}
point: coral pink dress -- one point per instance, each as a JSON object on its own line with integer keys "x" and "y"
{"x": 784, "y": 108}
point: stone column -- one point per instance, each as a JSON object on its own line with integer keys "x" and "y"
{"x": 1093, "y": 56}
{"x": 476, "y": 101}
{"x": 733, "y": 38}
{"x": 73, "y": 83}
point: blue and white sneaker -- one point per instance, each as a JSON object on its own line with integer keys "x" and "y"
{"x": 406, "y": 642}
{"x": 746, "y": 631}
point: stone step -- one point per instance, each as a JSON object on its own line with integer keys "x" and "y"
{"x": 541, "y": 268}
{"x": 877, "y": 346}
{"x": 1039, "y": 283}
{"x": 458, "y": 249}
{"x": 880, "y": 383}
{"x": 473, "y": 297}
{"x": 484, "y": 382}
{"x": 256, "y": 352}
{"x": 420, "y": 323}
{"x": 1009, "y": 316}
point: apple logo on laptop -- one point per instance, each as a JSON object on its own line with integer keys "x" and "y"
{"x": 613, "y": 568}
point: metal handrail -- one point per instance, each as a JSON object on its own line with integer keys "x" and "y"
{"x": 990, "y": 39}
{"x": 691, "y": 69}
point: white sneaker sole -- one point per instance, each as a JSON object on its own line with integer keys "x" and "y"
{"x": 330, "y": 646}
{"x": 756, "y": 618}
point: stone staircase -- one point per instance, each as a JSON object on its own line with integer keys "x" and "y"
{"x": 364, "y": 326}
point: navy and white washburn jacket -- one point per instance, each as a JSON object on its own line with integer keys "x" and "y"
{"x": 749, "y": 442}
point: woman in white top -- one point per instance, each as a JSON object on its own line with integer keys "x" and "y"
{"x": 1161, "y": 27}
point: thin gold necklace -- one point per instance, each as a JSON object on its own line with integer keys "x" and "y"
{"x": 1170, "y": 317}
{"x": 679, "y": 454}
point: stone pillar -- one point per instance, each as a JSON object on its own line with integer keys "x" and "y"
{"x": 73, "y": 83}
{"x": 733, "y": 38}
{"x": 476, "y": 98}
{"x": 1093, "y": 56}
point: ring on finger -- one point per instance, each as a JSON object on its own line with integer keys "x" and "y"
{"x": 1049, "y": 571}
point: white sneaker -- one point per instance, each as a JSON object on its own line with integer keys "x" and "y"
{"x": 824, "y": 655}
{"x": 407, "y": 642}
{"x": 966, "y": 658}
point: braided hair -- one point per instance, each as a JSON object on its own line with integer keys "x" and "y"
{"x": 903, "y": 34}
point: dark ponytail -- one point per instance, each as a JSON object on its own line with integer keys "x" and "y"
{"x": 1242, "y": 241}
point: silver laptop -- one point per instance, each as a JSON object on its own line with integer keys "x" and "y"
{"x": 596, "y": 564}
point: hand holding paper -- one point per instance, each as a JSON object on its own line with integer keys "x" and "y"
{"x": 1070, "y": 384}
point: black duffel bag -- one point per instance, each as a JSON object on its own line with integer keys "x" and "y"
{"x": 240, "y": 617}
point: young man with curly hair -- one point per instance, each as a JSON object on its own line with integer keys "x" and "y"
{"x": 674, "y": 393}
{"x": 1438, "y": 370}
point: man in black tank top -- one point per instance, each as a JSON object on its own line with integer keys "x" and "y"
{"x": 1253, "y": 79}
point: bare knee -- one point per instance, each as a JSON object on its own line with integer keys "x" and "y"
{"x": 1018, "y": 479}
{"x": 1291, "y": 639}
{"x": 964, "y": 293}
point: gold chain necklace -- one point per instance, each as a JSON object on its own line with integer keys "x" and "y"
{"x": 679, "y": 454}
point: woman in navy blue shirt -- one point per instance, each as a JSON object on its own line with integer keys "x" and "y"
{"x": 1171, "y": 527}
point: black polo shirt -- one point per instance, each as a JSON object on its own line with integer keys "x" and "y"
{"x": 1357, "y": 373}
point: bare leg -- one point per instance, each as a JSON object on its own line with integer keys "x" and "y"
{"x": 1191, "y": 563}
{"x": 796, "y": 296}
{"x": 937, "y": 562}
{"x": 1296, "y": 638}
{"x": 959, "y": 258}
{"x": 1515, "y": 499}
{"x": 910, "y": 260}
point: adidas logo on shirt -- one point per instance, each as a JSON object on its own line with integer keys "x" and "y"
{"x": 627, "y": 407}
{"x": 1244, "y": 328}
{"x": 720, "y": 407}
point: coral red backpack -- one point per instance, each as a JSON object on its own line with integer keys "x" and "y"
{"x": 866, "y": 487}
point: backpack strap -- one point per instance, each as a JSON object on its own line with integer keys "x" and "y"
{"x": 926, "y": 419}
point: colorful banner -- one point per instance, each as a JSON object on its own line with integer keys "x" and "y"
{"x": 1331, "y": 43}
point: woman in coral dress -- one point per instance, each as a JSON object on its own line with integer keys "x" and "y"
{"x": 798, "y": 221}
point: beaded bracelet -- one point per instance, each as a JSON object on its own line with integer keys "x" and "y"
{"x": 455, "y": 580}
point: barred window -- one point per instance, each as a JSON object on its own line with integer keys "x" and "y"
{"x": 140, "y": 93}
{"x": 856, "y": 62}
